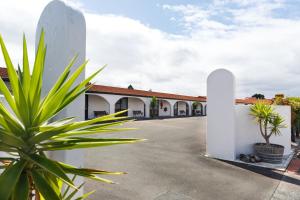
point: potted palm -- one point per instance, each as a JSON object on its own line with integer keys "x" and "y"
{"x": 30, "y": 130}
{"x": 270, "y": 123}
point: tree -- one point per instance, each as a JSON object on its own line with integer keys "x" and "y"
{"x": 258, "y": 96}
{"x": 294, "y": 102}
{"x": 31, "y": 130}
{"x": 130, "y": 87}
{"x": 195, "y": 104}
{"x": 153, "y": 105}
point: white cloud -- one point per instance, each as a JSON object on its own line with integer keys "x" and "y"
{"x": 262, "y": 51}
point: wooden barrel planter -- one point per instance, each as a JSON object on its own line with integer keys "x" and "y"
{"x": 272, "y": 153}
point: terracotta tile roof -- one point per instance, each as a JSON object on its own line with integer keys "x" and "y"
{"x": 143, "y": 93}
{"x": 253, "y": 100}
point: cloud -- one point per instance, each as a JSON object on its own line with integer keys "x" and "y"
{"x": 246, "y": 37}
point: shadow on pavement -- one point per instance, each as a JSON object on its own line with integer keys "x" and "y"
{"x": 266, "y": 172}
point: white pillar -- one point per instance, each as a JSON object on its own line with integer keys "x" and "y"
{"x": 190, "y": 108}
{"x": 111, "y": 107}
{"x": 65, "y": 36}
{"x": 220, "y": 139}
{"x": 147, "y": 109}
{"x": 172, "y": 102}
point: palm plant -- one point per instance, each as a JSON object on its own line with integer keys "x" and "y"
{"x": 195, "y": 105}
{"x": 269, "y": 121}
{"x": 30, "y": 130}
{"x": 68, "y": 193}
{"x": 153, "y": 105}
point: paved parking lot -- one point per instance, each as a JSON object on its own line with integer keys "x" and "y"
{"x": 170, "y": 166}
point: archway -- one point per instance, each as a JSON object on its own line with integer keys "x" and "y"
{"x": 197, "y": 109}
{"x": 135, "y": 107}
{"x": 96, "y": 106}
{"x": 181, "y": 108}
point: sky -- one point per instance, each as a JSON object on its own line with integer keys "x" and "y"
{"x": 173, "y": 45}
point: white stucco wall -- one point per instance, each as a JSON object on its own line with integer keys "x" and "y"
{"x": 65, "y": 36}
{"x": 135, "y": 104}
{"x": 96, "y": 103}
{"x": 161, "y": 111}
{"x": 230, "y": 129}
{"x": 220, "y": 136}
{"x": 247, "y": 130}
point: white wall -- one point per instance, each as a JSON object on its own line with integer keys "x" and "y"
{"x": 247, "y": 130}
{"x": 135, "y": 104}
{"x": 65, "y": 36}
{"x": 230, "y": 129}
{"x": 220, "y": 136}
{"x": 161, "y": 111}
{"x": 96, "y": 103}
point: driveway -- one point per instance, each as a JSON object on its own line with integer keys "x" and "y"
{"x": 170, "y": 166}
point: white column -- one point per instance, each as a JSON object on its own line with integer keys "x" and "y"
{"x": 172, "y": 107}
{"x": 147, "y": 109}
{"x": 220, "y": 139}
{"x": 190, "y": 108}
{"x": 65, "y": 36}
{"x": 111, "y": 107}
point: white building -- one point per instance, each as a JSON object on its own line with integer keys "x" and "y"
{"x": 101, "y": 100}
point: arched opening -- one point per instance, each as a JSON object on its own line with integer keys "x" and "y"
{"x": 135, "y": 107}
{"x": 181, "y": 108}
{"x": 197, "y": 108}
{"x": 96, "y": 106}
{"x": 164, "y": 108}
{"x": 122, "y": 104}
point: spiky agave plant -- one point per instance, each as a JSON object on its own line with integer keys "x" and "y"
{"x": 27, "y": 133}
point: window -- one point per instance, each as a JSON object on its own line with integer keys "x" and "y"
{"x": 122, "y": 104}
